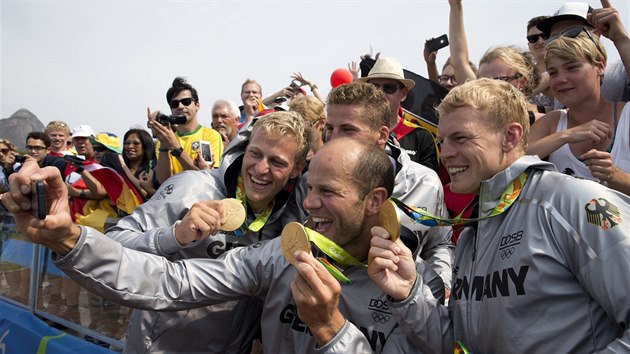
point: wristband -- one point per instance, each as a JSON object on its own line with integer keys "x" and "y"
{"x": 82, "y": 194}
{"x": 79, "y": 169}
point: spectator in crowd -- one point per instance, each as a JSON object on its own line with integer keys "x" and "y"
{"x": 251, "y": 96}
{"x": 38, "y": 147}
{"x": 506, "y": 63}
{"x": 589, "y": 138}
{"x": 542, "y": 96}
{"x": 606, "y": 22}
{"x": 138, "y": 157}
{"x": 361, "y": 111}
{"x": 7, "y": 159}
{"x": 81, "y": 135}
{"x": 260, "y": 169}
{"x": 387, "y": 75}
{"x": 59, "y": 134}
{"x": 306, "y": 82}
{"x": 447, "y": 78}
{"x": 225, "y": 119}
{"x": 543, "y": 262}
{"x": 341, "y": 194}
{"x": 312, "y": 109}
{"x": 179, "y": 149}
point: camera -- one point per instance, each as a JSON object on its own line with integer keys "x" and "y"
{"x": 166, "y": 119}
{"x": 20, "y": 158}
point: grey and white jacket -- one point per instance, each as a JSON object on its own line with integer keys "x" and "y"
{"x": 227, "y": 327}
{"x": 550, "y": 275}
{"x": 258, "y": 271}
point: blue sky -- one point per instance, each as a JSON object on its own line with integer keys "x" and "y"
{"x": 103, "y": 62}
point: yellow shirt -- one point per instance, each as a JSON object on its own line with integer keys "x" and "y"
{"x": 191, "y": 144}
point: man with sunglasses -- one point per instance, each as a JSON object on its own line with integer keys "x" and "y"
{"x": 38, "y": 147}
{"x": 572, "y": 17}
{"x": 387, "y": 75}
{"x": 179, "y": 144}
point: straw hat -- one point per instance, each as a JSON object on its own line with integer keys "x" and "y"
{"x": 388, "y": 68}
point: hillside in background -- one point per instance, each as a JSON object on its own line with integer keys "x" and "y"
{"x": 17, "y": 127}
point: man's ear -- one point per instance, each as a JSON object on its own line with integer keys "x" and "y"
{"x": 383, "y": 135}
{"x": 512, "y": 136}
{"x": 374, "y": 200}
{"x": 297, "y": 170}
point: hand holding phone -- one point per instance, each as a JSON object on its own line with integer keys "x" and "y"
{"x": 40, "y": 200}
{"x": 438, "y": 43}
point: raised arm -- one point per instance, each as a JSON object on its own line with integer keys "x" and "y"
{"x": 458, "y": 44}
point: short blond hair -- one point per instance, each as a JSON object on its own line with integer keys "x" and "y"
{"x": 498, "y": 102}
{"x": 309, "y": 107}
{"x": 284, "y": 125}
{"x": 57, "y": 125}
{"x": 250, "y": 81}
{"x": 577, "y": 49}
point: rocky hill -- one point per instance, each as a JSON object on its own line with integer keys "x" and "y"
{"x": 16, "y": 127}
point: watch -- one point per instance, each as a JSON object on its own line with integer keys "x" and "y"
{"x": 177, "y": 152}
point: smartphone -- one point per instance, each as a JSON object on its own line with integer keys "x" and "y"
{"x": 20, "y": 158}
{"x": 73, "y": 160}
{"x": 206, "y": 152}
{"x": 40, "y": 199}
{"x": 437, "y": 43}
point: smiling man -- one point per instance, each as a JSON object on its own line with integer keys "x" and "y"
{"x": 225, "y": 119}
{"x": 533, "y": 274}
{"x": 260, "y": 170}
{"x": 361, "y": 111}
{"x": 348, "y": 182}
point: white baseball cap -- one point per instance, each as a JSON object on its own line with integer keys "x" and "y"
{"x": 82, "y": 131}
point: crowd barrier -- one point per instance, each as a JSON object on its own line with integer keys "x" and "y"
{"x": 43, "y": 311}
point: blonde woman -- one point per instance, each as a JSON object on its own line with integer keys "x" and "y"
{"x": 591, "y": 137}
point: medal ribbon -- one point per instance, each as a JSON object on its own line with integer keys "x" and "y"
{"x": 335, "y": 252}
{"x": 261, "y": 220}
{"x": 509, "y": 196}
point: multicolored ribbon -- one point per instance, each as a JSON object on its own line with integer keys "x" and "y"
{"x": 335, "y": 252}
{"x": 509, "y": 196}
{"x": 261, "y": 220}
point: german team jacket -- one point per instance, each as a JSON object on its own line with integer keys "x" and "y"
{"x": 550, "y": 275}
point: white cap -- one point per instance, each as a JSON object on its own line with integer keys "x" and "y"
{"x": 82, "y": 131}
{"x": 568, "y": 11}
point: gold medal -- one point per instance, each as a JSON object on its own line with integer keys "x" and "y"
{"x": 234, "y": 214}
{"x": 292, "y": 239}
{"x": 389, "y": 219}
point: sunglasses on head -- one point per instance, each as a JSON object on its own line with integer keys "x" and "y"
{"x": 572, "y": 33}
{"x": 185, "y": 101}
{"x": 533, "y": 38}
{"x": 508, "y": 78}
{"x": 388, "y": 88}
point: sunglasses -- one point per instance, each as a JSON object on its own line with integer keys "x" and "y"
{"x": 185, "y": 101}
{"x": 573, "y": 33}
{"x": 508, "y": 78}
{"x": 533, "y": 38}
{"x": 388, "y": 88}
{"x": 446, "y": 78}
{"x": 4, "y": 151}
{"x": 129, "y": 142}
{"x": 35, "y": 147}
{"x": 100, "y": 148}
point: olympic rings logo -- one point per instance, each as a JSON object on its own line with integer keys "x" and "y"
{"x": 379, "y": 317}
{"x": 507, "y": 253}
